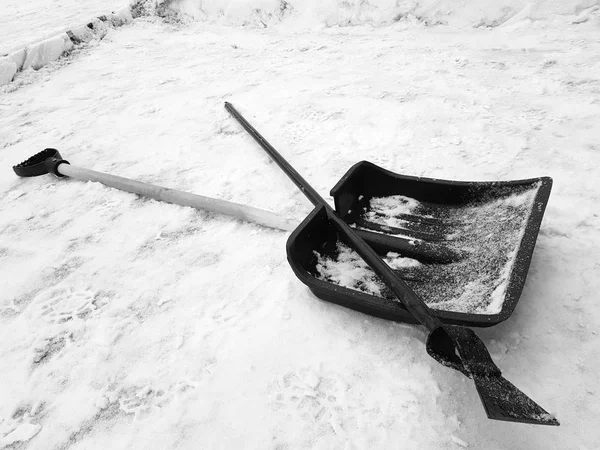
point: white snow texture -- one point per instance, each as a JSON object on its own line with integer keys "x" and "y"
{"x": 126, "y": 323}
{"x": 486, "y": 13}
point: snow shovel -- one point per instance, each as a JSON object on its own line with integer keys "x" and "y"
{"x": 50, "y": 161}
{"x": 451, "y": 345}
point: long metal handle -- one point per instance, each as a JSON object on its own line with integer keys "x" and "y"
{"x": 302, "y": 184}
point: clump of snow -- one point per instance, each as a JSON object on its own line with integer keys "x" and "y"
{"x": 22, "y": 433}
{"x": 396, "y": 261}
{"x": 394, "y": 205}
{"x": 348, "y": 269}
{"x": 489, "y": 232}
{"x": 41, "y": 53}
{"x": 8, "y": 69}
{"x": 459, "y": 441}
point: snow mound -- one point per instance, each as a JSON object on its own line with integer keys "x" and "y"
{"x": 329, "y": 13}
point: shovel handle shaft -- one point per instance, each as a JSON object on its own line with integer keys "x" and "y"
{"x": 163, "y": 194}
{"x": 302, "y": 184}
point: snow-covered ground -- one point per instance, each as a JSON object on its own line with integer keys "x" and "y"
{"x": 311, "y": 13}
{"x": 24, "y": 22}
{"x": 128, "y": 323}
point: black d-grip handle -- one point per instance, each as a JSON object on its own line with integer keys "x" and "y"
{"x": 46, "y": 161}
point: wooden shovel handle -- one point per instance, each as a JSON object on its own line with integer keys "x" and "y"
{"x": 163, "y": 194}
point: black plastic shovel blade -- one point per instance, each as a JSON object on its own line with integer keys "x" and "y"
{"x": 492, "y": 227}
{"x": 502, "y": 400}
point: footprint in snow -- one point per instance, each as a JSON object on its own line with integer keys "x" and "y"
{"x": 63, "y": 303}
{"x": 319, "y": 400}
{"x": 140, "y": 401}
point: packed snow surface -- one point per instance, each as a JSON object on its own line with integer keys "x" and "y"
{"x": 127, "y": 323}
{"x": 26, "y": 22}
{"x": 328, "y": 13}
